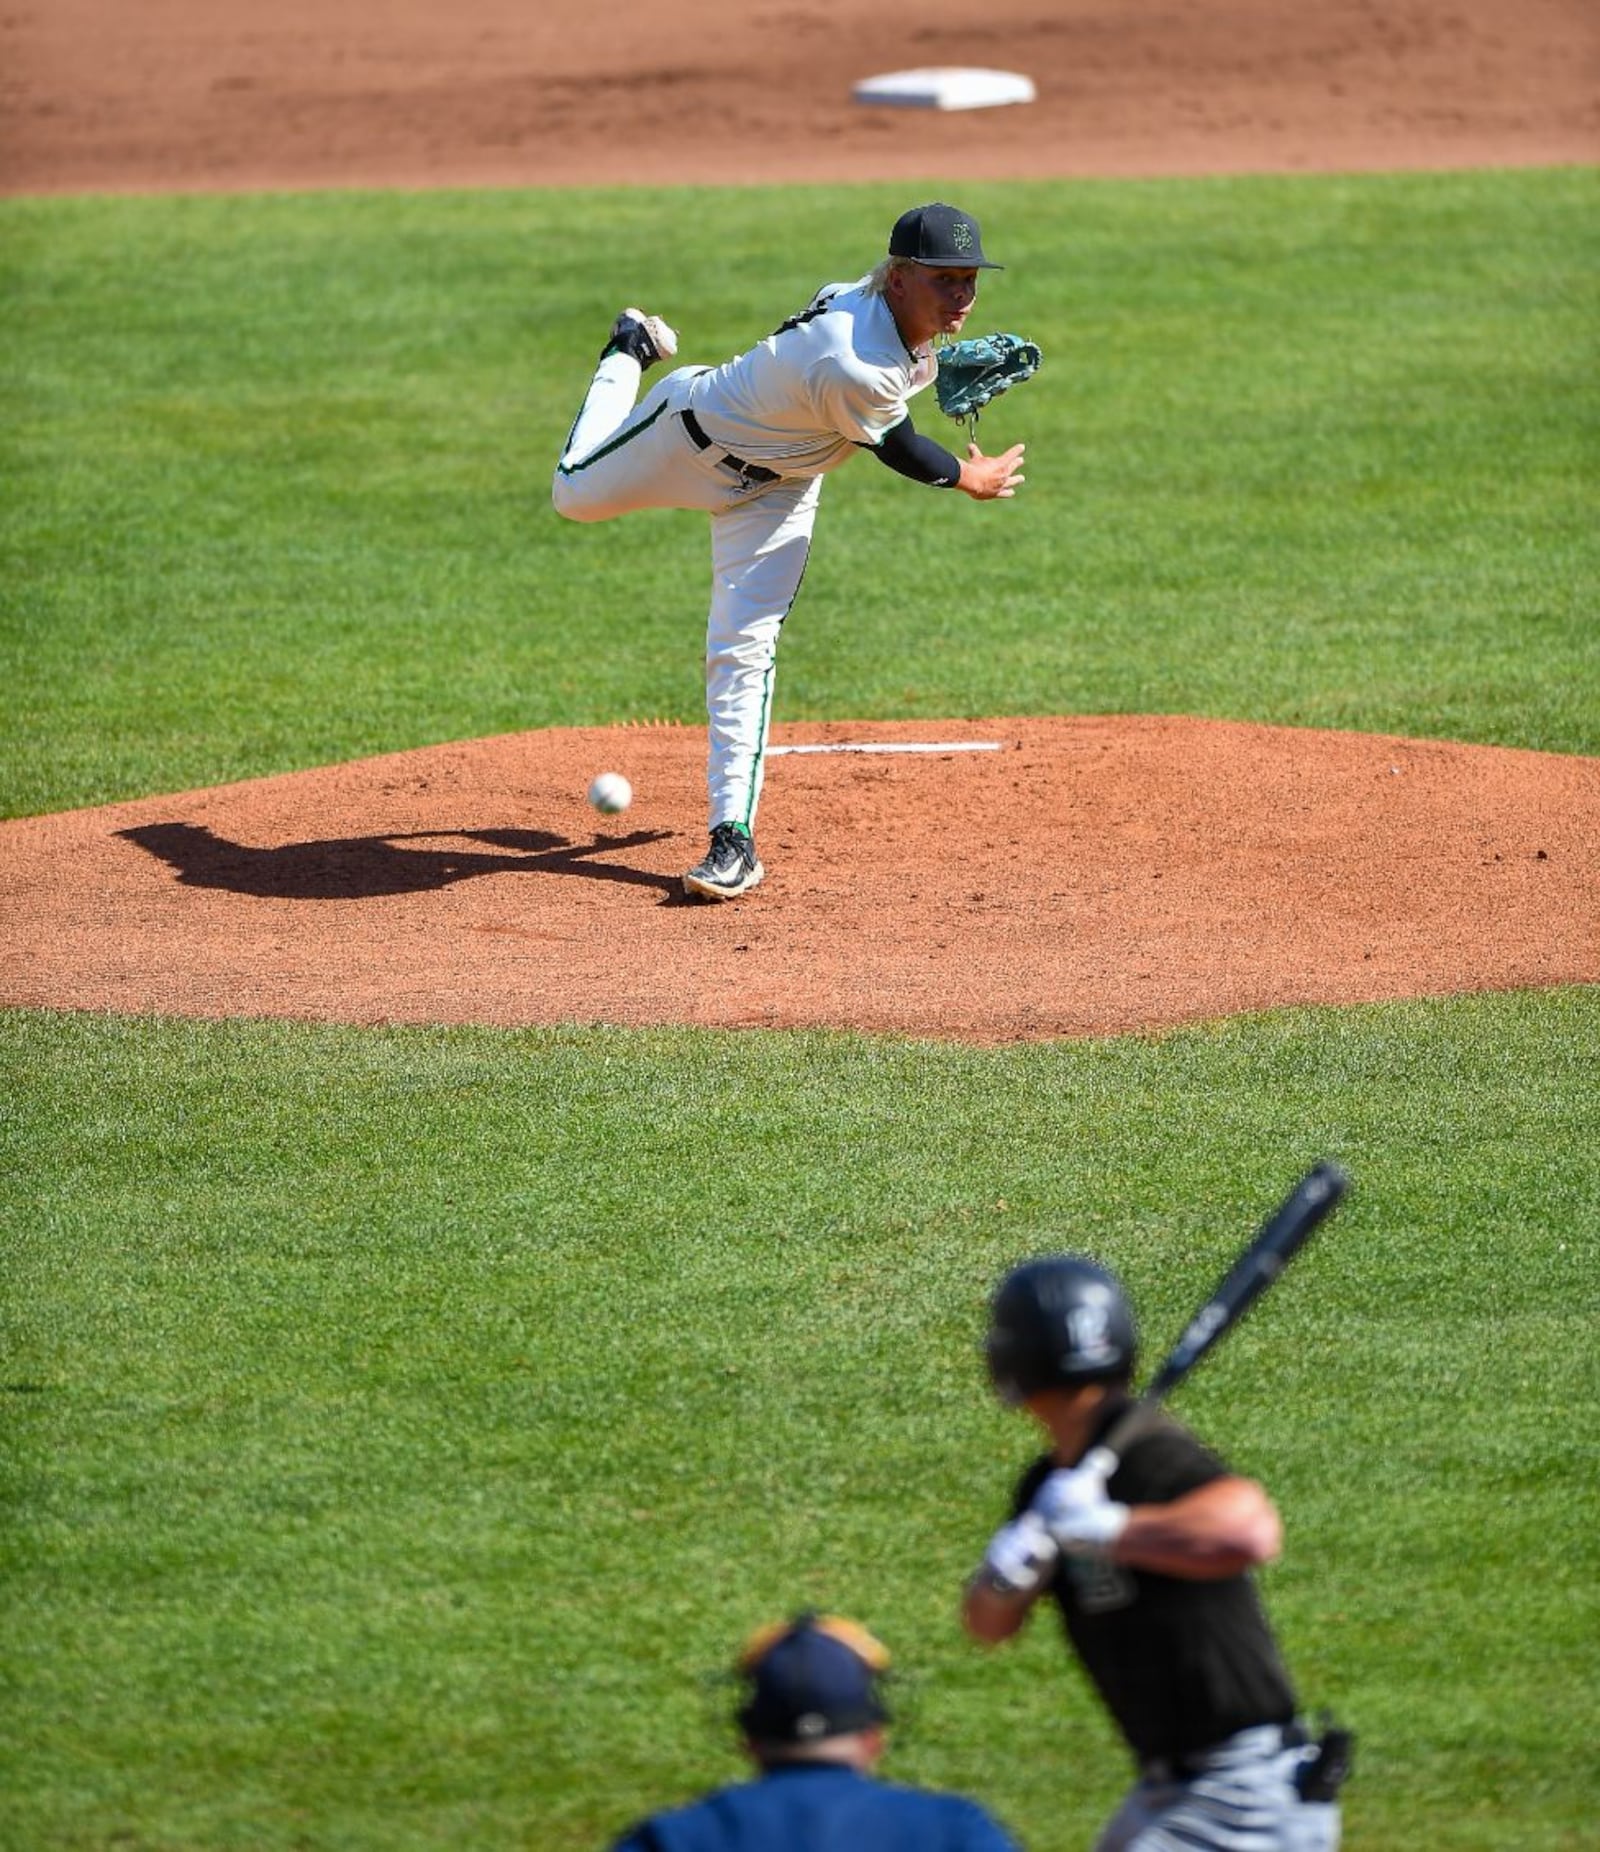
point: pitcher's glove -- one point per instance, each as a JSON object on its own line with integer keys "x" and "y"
{"x": 974, "y": 371}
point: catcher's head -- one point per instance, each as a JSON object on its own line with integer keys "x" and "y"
{"x": 1055, "y": 1323}
{"x": 809, "y": 1679}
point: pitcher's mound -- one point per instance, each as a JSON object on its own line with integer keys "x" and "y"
{"x": 1025, "y": 878}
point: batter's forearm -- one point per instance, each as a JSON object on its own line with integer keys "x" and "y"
{"x": 1221, "y": 1530}
{"x": 990, "y": 1616}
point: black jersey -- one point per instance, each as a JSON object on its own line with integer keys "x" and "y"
{"x": 1179, "y": 1664}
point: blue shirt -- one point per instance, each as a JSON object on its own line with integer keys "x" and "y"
{"x": 820, "y": 1807}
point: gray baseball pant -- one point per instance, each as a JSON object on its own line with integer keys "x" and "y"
{"x": 1241, "y": 1798}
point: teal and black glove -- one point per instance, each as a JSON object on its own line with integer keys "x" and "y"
{"x": 974, "y": 371}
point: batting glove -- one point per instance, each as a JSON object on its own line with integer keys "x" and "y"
{"x": 1021, "y": 1556}
{"x": 1078, "y": 1513}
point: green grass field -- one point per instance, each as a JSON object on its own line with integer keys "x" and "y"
{"x": 394, "y": 1442}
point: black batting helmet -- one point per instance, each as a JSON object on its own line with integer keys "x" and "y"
{"x": 1057, "y": 1322}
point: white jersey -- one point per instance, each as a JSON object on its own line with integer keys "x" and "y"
{"x": 803, "y": 400}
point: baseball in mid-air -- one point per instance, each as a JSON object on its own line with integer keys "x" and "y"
{"x": 610, "y": 793}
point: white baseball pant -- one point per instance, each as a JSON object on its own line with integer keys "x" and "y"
{"x": 621, "y": 457}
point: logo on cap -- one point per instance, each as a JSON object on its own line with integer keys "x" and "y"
{"x": 961, "y": 235}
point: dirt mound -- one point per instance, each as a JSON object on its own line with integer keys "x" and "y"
{"x": 1021, "y": 879}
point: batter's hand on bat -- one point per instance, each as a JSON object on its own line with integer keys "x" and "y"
{"x": 1020, "y": 1556}
{"x": 988, "y": 479}
{"x": 1078, "y": 1512}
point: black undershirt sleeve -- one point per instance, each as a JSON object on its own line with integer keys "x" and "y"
{"x": 908, "y": 453}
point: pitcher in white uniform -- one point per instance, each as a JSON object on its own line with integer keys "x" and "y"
{"x": 749, "y": 443}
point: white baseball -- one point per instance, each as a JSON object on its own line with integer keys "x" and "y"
{"x": 610, "y": 792}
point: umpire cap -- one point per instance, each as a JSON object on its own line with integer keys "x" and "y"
{"x": 1056, "y": 1322}
{"x": 815, "y": 1676}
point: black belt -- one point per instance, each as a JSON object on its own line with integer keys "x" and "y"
{"x": 1186, "y": 1768}
{"x": 752, "y": 472}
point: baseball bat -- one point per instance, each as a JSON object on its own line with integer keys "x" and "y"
{"x": 1274, "y": 1244}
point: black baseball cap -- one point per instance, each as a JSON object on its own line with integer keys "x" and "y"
{"x": 939, "y": 235}
{"x": 809, "y": 1678}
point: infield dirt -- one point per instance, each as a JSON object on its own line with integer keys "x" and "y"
{"x": 1092, "y": 875}
{"x": 99, "y": 95}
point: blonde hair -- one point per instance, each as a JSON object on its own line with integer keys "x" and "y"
{"x": 877, "y": 284}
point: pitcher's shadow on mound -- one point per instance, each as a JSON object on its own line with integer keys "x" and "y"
{"x": 373, "y": 867}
